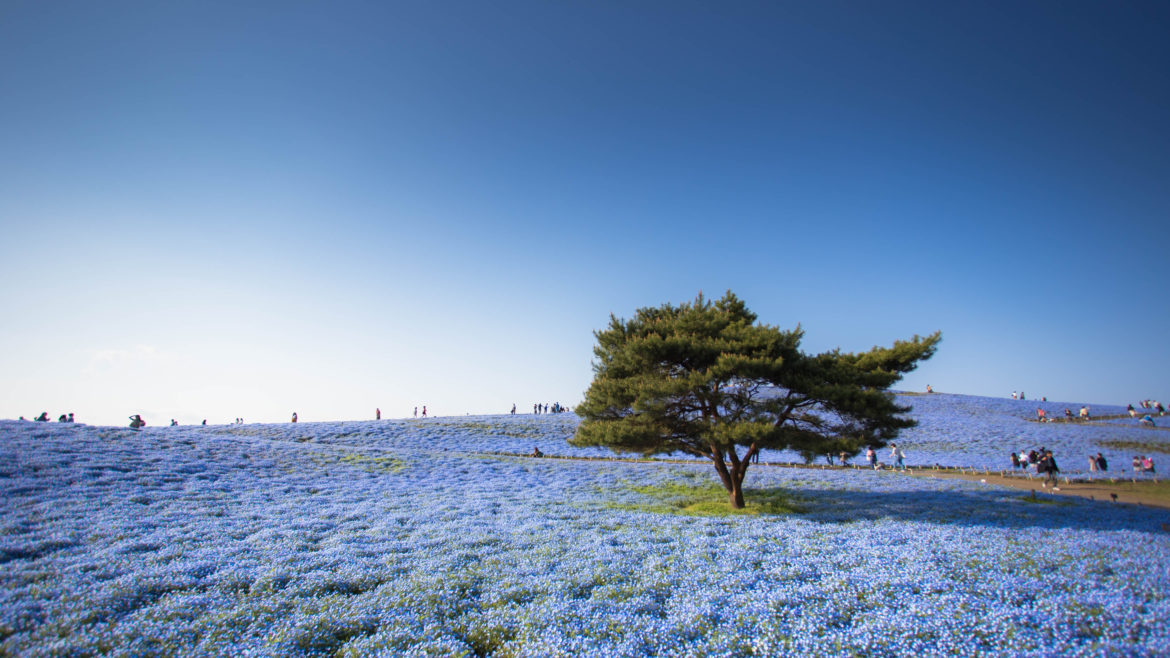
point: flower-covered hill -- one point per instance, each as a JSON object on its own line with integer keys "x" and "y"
{"x": 966, "y": 430}
{"x": 405, "y": 538}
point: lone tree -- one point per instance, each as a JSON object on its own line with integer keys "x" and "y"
{"x": 705, "y": 379}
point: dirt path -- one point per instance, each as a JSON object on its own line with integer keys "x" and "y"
{"x": 1143, "y": 492}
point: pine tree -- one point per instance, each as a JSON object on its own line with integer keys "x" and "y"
{"x": 706, "y": 379}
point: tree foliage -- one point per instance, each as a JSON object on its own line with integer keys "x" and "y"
{"x": 705, "y": 378}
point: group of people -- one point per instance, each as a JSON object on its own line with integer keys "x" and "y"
{"x": 44, "y": 417}
{"x": 1043, "y": 461}
{"x": 1143, "y": 464}
{"x": 1083, "y": 414}
{"x": 539, "y": 408}
{"x": 1098, "y": 463}
{"x": 1149, "y": 405}
{"x": 897, "y": 457}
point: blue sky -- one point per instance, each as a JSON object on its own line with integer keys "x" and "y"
{"x": 214, "y": 210}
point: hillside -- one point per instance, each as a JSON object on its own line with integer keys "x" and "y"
{"x": 408, "y": 538}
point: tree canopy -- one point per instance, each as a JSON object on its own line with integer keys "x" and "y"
{"x": 706, "y": 379}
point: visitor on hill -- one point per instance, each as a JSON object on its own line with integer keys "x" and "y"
{"x": 1015, "y": 395}
{"x": 929, "y": 389}
{"x": 1040, "y": 415}
{"x": 136, "y": 422}
{"x": 513, "y": 408}
{"x": 1148, "y": 465}
{"x": 1024, "y": 460}
{"x": 898, "y": 456}
{"x": 294, "y": 417}
{"x": 1050, "y": 468}
{"x": 844, "y": 456}
{"x": 204, "y": 421}
{"x": 70, "y": 417}
{"x": 1015, "y": 461}
{"x": 62, "y": 418}
{"x": 424, "y": 411}
{"x": 1130, "y": 409}
{"x": 43, "y": 418}
{"x": 1084, "y": 412}
{"x": 1092, "y": 464}
{"x": 416, "y": 412}
{"x": 1022, "y": 396}
{"x": 1146, "y": 421}
{"x": 174, "y": 422}
{"x": 377, "y": 413}
{"x": 536, "y": 452}
{"x": 1159, "y": 408}
{"x": 871, "y": 457}
{"x": 1102, "y": 465}
{"x": 1137, "y": 464}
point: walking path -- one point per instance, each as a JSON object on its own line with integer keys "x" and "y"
{"x": 1095, "y": 420}
{"x": 1139, "y": 491}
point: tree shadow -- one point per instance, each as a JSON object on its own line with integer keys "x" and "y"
{"x": 995, "y": 508}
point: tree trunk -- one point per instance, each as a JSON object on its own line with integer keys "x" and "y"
{"x": 736, "y": 492}
{"x": 732, "y": 477}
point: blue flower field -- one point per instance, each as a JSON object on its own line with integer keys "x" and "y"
{"x": 421, "y": 538}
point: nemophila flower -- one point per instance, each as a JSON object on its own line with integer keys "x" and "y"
{"x": 317, "y": 539}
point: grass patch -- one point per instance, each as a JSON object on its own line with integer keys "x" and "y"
{"x": 1047, "y": 501}
{"x": 494, "y": 429}
{"x": 1162, "y": 447}
{"x": 706, "y": 499}
{"x": 363, "y": 462}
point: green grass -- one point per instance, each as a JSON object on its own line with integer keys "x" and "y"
{"x": 691, "y": 498}
{"x": 1162, "y": 447}
{"x": 516, "y": 431}
{"x": 366, "y": 463}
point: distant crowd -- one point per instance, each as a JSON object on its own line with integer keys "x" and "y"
{"x": 44, "y": 417}
{"x": 136, "y": 421}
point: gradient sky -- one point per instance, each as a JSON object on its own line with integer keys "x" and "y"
{"x": 222, "y": 209}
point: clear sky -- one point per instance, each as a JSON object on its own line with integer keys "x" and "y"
{"x": 222, "y": 209}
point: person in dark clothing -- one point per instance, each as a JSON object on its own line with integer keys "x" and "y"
{"x": 136, "y": 422}
{"x": 43, "y": 418}
{"x": 1102, "y": 465}
{"x": 1049, "y": 464}
{"x": 62, "y": 418}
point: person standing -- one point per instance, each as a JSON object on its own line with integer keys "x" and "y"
{"x": 416, "y": 412}
{"x": 294, "y": 418}
{"x": 513, "y": 408}
{"x": 377, "y": 414}
{"x": 424, "y": 411}
{"x": 898, "y": 456}
{"x": 871, "y": 457}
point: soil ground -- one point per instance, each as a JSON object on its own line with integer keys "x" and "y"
{"x": 1143, "y": 492}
